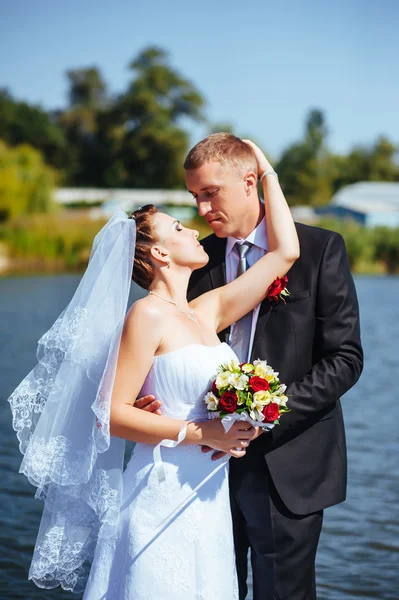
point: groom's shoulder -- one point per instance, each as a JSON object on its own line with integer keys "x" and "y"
{"x": 312, "y": 237}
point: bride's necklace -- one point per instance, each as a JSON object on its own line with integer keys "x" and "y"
{"x": 189, "y": 314}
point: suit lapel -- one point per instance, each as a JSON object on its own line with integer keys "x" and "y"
{"x": 265, "y": 311}
{"x": 218, "y": 274}
{"x": 217, "y": 263}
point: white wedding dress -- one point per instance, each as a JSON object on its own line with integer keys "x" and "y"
{"x": 172, "y": 544}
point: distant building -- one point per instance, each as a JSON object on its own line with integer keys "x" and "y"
{"x": 179, "y": 203}
{"x": 370, "y": 203}
{"x": 125, "y": 198}
{"x": 304, "y": 214}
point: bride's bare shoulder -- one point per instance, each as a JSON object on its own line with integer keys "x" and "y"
{"x": 144, "y": 309}
{"x": 144, "y": 327}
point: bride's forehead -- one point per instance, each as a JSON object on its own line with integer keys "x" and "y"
{"x": 162, "y": 220}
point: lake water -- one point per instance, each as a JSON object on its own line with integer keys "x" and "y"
{"x": 359, "y": 549}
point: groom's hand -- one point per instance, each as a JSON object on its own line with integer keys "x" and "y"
{"x": 216, "y": 455}
{"x": 150, "y": 404}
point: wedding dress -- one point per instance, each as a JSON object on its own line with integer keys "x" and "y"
{"x": 175, "y": 539}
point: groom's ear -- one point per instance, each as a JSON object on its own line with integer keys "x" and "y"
{"x": 250, "y": 182}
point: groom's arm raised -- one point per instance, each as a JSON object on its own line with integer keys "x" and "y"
{"x": 230, "y": 302}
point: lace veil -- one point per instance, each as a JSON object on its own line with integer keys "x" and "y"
{"x": 61, "y": 414}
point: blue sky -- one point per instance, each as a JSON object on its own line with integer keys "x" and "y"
{"x": 261, "y": 65}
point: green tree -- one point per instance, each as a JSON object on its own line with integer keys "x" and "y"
{"x": 383, "y": 166}
{"x": 352, "y": 168}
{"x": 374, "y": 163}
{"x": 305, "y": 167}
{"x": 80, "y": 122}
{"x": 315, "y": 132}
{"x": 21, "y": 123}
{"x": 138, "y": 138}
{"x": 87, "y": 88}
{"x": 148, "y": 118}
{"x": 26, "y": 182}
{"x": 386, "y": 248}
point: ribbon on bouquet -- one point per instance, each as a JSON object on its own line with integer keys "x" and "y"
{"x": 229, "y": 420}
{"x": 158, "y": 464}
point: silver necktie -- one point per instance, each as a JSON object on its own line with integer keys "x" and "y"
{"x": 241, "y": 334}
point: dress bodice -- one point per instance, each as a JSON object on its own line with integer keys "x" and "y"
{"x": 181, "y": 378}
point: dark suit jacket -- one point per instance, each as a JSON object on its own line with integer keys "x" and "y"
{"x": 313, "y": 341}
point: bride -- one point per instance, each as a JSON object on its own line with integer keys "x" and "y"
{"x": 162, "y": 528}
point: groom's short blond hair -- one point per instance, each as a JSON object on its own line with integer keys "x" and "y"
{"x": 225, "y": 148}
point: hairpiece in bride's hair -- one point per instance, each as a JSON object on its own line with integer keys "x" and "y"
{"x": 132, "y": 215}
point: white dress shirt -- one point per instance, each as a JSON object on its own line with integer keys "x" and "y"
{"x": 258, "y": 239}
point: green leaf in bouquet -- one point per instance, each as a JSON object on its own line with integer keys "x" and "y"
{"x": 242, "y": 396}
{"x": 249, "y": 398}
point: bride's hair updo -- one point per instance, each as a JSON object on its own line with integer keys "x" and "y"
{"x": 143, "y": 269}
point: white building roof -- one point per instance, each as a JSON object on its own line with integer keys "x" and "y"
{"x": 128, "y": 197}
{"x": 368, "y": 196}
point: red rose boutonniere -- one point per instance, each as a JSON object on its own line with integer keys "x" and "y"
{"x": 278, "y": 290}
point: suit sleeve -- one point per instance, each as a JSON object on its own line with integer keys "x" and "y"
{"x": 337, "y": 345}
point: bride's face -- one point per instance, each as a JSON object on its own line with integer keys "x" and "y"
{"x": 177, "y": 243}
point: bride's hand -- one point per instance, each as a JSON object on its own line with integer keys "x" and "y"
{"x": 234, "y": 442}
{"x": 263, "y": 163}
{"x": 233, "y": 452}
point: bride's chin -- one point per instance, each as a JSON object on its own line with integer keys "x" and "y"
{"x": 204, "y": 261}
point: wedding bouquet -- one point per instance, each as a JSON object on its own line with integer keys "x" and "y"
{"x": 248, "y": 392}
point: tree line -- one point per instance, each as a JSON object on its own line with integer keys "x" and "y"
{"x": 44, "y": 242}
{"x": 138, "y": 138}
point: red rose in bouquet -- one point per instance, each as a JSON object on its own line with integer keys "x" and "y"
{"x": 278, "y": 289}
{"x": 258, "y": 384}
{"x": 215, "y": 389}
{"x": 228, "y": 402}
{"x": 271, "y": 412}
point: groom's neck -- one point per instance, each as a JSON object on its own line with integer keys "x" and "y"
{"x": 252, "y": 219}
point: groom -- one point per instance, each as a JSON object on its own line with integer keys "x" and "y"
{"x": 288, "y": 476}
